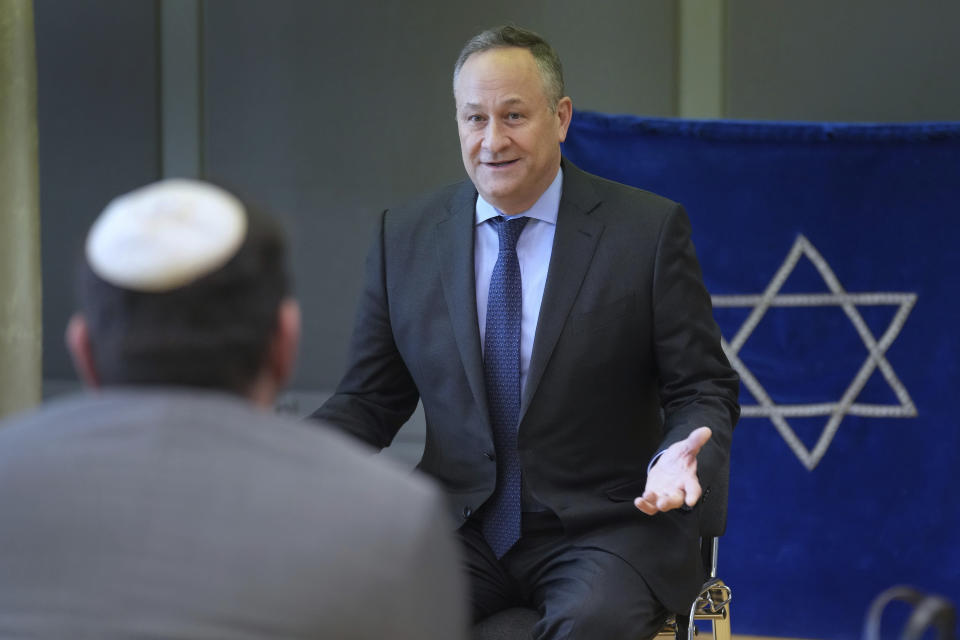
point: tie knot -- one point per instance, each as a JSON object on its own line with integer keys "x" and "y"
{"x": 508, "y": 229}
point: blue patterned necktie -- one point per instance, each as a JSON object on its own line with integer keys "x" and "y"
{"x": 501, "y": 365}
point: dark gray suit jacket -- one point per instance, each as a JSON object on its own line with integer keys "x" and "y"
{"x": 178, "y": 514}
{"x": 625, "y": 330}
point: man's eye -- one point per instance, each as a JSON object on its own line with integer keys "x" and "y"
{"x": 514, "y": 116}
{"x": 475, "y": 118}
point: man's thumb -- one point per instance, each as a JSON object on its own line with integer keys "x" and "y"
{"x": 697, "y": 438}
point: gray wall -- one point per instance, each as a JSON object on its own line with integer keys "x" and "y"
{"x": 98, "y": 122}
{"x": 855, "y": 60}
{"x": 328, "y": 112}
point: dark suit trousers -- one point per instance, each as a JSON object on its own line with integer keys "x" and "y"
{"x": 581, "y": 592}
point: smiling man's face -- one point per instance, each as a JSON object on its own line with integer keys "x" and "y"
{"x": 509, "y": 135}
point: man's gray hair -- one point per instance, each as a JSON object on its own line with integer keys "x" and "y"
{"x": 548, "y": 62}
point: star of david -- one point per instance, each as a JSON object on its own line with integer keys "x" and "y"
{"x": 875, "y": 360}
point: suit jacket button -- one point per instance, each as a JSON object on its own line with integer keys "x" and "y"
{"x": 467, "y": 512}
{"x": 488, "y": 455}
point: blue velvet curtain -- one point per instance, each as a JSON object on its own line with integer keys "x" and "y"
{"x": 832, "y": 252}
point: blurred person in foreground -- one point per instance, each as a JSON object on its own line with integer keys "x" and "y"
{"x": 170, "y": 502}
{"x": 556, "y": 328}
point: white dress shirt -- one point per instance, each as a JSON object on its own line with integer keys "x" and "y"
{"x": 534, "y": 248}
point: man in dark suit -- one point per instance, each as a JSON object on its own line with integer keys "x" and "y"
{"x": 556, "y": 328}
{"x": 171, "y": 502}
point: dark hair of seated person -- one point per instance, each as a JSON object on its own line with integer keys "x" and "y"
{"x": 212, "y": 333}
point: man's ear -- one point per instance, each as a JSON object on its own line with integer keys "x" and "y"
{"x": 78, "y": 344}
{"x": 286, "y": 342}
{"x": 564, "y": 115}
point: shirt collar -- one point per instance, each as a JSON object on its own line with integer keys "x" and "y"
{"x": 545, "y": 208}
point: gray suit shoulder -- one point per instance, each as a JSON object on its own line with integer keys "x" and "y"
{"x": 624, "y": 196}
{"x": 325, "y": 539}
{"x": 184, "y": 422}
{"x": 630, "y": 209}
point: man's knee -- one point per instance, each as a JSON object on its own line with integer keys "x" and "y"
{"x": 605, "y": 598}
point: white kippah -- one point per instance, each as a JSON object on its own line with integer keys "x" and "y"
{"x": 166, "y": 235}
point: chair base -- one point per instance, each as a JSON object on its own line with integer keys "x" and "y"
{"x": 676, "y": 627}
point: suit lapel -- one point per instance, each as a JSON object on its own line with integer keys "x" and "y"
{"x": 574, "y": 244}
{"x": 455, "y": 246}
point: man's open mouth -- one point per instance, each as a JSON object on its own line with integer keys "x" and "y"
{"x": 500, "y": 164}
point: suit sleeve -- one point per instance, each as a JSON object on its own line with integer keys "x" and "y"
{"x": 377, "y": 394}
{"x": 697, "y": 385}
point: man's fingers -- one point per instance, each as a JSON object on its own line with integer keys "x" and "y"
{"x": 645, "y": 506}
{"x": 693, "y": 493}
{"x": 670, "y": 501}
{"x": 697, "y": 438}
{"x": 652, "y": 503}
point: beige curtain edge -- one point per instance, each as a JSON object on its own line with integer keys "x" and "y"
{"x": 20, "y": 285}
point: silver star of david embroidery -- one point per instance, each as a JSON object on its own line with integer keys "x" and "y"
{"x": 876, "y": 350}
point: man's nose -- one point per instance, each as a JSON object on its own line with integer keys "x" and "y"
{"x": 495, "y": 138}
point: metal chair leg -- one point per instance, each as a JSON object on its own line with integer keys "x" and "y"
{"x": 713, "y": 604}
{"x": 721, "y": 626}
